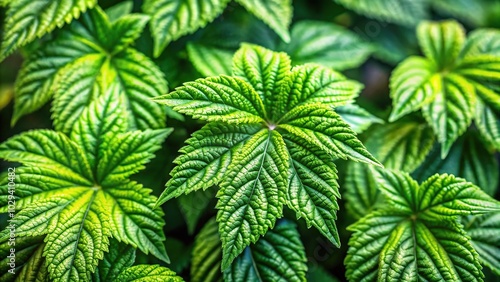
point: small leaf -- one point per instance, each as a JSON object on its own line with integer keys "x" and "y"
{"x": 277, "y": 14}
{"x": 327, "y": 44}
{"x": 27, "y": 20}
{"x": 278, "y": 256}
{"x": 171, "y": 19}
{"x": 252, "y": 196}
{"x": 148, "y": 273}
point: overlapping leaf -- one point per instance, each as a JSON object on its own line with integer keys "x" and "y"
{"x": 416, "y": 234}
{"x": 483, "y": 231}
{"x": 77, "y": 192}
{"x": 82, "y": 60}
{"x": 454, "y": 84}
{"x": 27, "y": 20}
{"x": 171, "y": 19}
{"x": 270, "y": 141}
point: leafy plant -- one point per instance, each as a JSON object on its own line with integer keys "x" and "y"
{"x": 396, "y": 157}
{"x": 417, "y": 233}
{"x": 270, "y": 141}
{"x": 76, "y": 190}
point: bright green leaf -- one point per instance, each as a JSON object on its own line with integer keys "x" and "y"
{"x": 148, "y": 273}
{"x": 208, "y": 60}
{"x": 27, "y": 20}
{"x": 119, "y": 257}
{"x": 207, "y": 254}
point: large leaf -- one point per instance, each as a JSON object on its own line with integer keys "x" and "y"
{"x": 271, "y": 130}
{"x": 326, "y": 44}
{"x": 148, "y": 273}
{"x": 171, "y": 19}
{"x": 416, "y": 234}
{"x": 278, "y": 256}
{"x": 77, "y": 191}
{"x": 27, "y": 20}
{"x": 253, "y": 195}
{"x": 82, "y": 61}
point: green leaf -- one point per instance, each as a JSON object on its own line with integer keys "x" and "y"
{"x": 77, "y": 192}
{"x": 483, "y": 230}
{"x": 148, "y": 273}
{"x": 405, "y": 12}
{"x": 488, "y": 123}
{"x": 252, "y": 196}
{"x": 316, "y": 84}
{"x": 119, "y": 257}
{"x": 75, "y": 246}
{"x": 277, "y": 14}
{"x": 470, "y": 12}
{"x": 446, "y": 195}
{"x": 171, "y": 19}
{"x": 82, "y": 61}
{"x": 242, "y": 148}
{"x": 358, "y": 118}
{"x": 327, "y": 44}
{"x": 313, "y": 190}
{"x": 265, "y": 71}
{"x": 413, "y": 84}
{"x": 441, "y": 42}
{"x": 361, "y": 190}
{"x": 26, "y": 20}
{"x": 197, "y": 170}
{"x": 278, "y": 256}
{"x": 207, "y": 254}
{"x": 208, "y": 60}
{"x": 457, "y": 74}
{"x": 320, "y": 126}
{"x": 221, "y": 98}
{"x": 416, "y": 234}
{"x": 402, "y": 145}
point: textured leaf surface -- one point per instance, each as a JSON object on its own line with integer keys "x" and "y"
{"x": 26, "y": 20}
{"x": 327, "y": 44}
{"x": 313, "y": 189}
{"x": 148, "y": 273}
{"x": 270, "y": 140}
{"x": 483, "y": 231}
{"x": 171, "y": 19}
{"x": 30, "y": 265}
{"x": 405, "y": 12}
{"x": 119, "y": 258}
{"x": 416, "y": 234}
{"x": 278, "y": 256}
{"x": 77, "y": 191}
{"x": 454, "y": 84}
{"x": 207, "y": 254}
{"x": 252, "y": 197}
{"x": 82, "y": 61}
